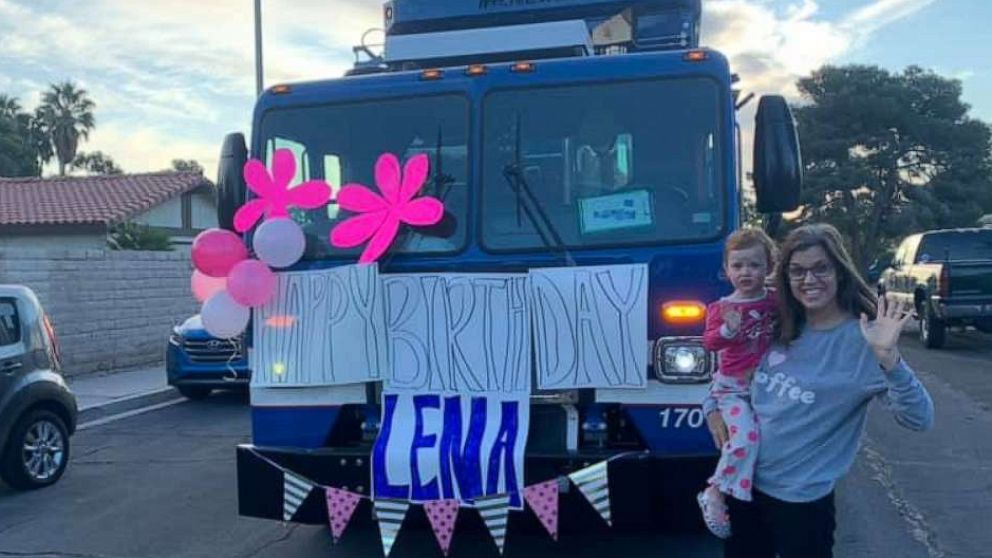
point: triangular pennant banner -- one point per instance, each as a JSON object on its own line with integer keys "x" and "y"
{"x": 543, "y": 499}
{"x": 595, "y": 486}
{"x": 390, "y": 514}
{"x": 442, "y": 515}
{"x": 341, "y": 505}
{"x": 494, "y": 511}
{"x": 294, "y": 490}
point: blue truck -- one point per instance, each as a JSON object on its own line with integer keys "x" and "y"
{"x": 546, "y": 123}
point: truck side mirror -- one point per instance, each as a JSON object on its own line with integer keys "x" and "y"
{"x": 231, "y": 187}
{"x": 778, "y": 166}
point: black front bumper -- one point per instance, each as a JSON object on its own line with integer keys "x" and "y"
{"x": 647, "y": 492}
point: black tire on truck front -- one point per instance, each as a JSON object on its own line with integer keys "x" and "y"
{"x": 194, "y": 392}
{"x": 933, "y": 330}
{"x": 37, "y": 451}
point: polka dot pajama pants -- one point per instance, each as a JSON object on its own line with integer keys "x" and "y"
{"x": 735, "y": 470}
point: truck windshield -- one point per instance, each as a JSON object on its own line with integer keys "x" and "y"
{"x": 340, "y": 144}
{"x": 611, "y": 164}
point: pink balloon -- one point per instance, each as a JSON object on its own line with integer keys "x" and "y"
{"x": 251, "y": 283}
{"x": 215, "y": 251}
{"x": 205, "y": 286}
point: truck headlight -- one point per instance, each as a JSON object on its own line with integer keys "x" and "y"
{"x": 682, "y": 360}
{"x": 176, "y": 339}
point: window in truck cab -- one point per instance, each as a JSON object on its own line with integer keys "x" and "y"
{"x": 340, "y": 143}
{"x": 611, "y": 164}
{"x": 956, "y": 246}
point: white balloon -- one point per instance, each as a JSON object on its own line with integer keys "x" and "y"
{"x": 279, "y": 242}
{"x": 223, "y": 317}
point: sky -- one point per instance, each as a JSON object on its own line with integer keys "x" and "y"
{"x": 171, "y": 77}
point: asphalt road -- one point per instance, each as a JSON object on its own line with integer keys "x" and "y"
{"x": 162, "y": 484}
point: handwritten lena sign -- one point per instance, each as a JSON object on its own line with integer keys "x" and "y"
{"x": 450, "y": 446}
{"x": 321, "y": 328}
{"x": 590, "y": 326}
{"x": 464, "y": 333}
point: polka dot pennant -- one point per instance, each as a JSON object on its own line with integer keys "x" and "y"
{"x": 341, "y": 505}
{"x": 442, "y": 515}
{"x": 543, "y": 500}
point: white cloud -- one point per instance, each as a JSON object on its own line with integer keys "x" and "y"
{"x": 964, "y": 75}
{"x": 869, "y": 18}
{"x": 149, "y": 149}
{"x": 771, "y": 51}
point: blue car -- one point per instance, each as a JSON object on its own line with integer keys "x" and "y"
{"x": 197, "y": 363}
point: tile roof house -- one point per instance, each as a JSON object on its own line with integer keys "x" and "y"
{"x": 76, "y": 212}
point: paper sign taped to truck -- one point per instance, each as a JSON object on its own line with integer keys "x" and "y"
{"x": 434, "y": 446}
{"x": 323, "y": 327}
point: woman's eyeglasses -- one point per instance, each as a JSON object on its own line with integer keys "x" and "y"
{"x": 820, "y": 271}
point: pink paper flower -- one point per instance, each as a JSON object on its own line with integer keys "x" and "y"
{"x": 275, "y": 197}
{"x": 379, "y": 217}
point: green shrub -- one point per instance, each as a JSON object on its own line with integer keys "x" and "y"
{"x": 134, "y": 236}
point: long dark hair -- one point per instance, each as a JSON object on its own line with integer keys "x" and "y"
{"x": 853, "y": 294}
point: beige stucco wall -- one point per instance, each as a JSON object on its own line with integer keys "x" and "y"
{"x": 112, "y": 310}
{"x": 204, "y": 209}
{"x": 167, "y": 214}
{"x": 54, "y": 241}
{"x": 170, "y": 213}
{"x": 49, "y": 238}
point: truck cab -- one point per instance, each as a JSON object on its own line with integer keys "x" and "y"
{"x": 577, "y": 133}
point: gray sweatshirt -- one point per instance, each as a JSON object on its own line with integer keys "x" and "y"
{"x": 811, "y": 399}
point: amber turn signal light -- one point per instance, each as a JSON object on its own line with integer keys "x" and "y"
{"x": 683, "y": 312}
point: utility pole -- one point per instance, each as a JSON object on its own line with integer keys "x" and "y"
{"x": 258, "y": 48}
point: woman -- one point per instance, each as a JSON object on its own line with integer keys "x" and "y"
{"x": 811, "y": 393}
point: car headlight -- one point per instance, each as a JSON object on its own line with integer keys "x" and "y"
{"x": 176, "y": 339}
{"x": 682, "y": 360}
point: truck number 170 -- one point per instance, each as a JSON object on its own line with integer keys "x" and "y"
{"x": 692, "y": 417}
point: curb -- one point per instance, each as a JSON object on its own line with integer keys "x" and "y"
{"x": 124, "y": 404}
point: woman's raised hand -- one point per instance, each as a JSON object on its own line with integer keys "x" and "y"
{"x": 882, "y": 333}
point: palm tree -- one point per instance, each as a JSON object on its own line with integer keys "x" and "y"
{"x": 66, "y": 115}
{"x": 10, "y": 107}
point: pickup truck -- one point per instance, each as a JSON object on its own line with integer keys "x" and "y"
{"x": 948, "y": 276}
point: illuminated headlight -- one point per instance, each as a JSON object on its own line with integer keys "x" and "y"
{"x": 682, "y": 360}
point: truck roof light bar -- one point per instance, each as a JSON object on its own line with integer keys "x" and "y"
{"x": 522, "y": 67}
{"x": 281, "y": 89}
{"x": 695, "y": 56}
{"x": 475, "y": 70}
{"x": 432, "y": 74}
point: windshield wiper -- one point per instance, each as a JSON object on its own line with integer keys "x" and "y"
{"x": 442, "y": 186}
{"x": 543, "y": 225}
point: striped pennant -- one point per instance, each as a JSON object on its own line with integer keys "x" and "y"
{"x": 295, "y": 490}
{"x": 595, "y": 486}
{"x": 494, "y": 511}
{"x": 390, "y": 514}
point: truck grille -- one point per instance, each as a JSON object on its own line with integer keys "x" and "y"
{"x": 213, "y": 350}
